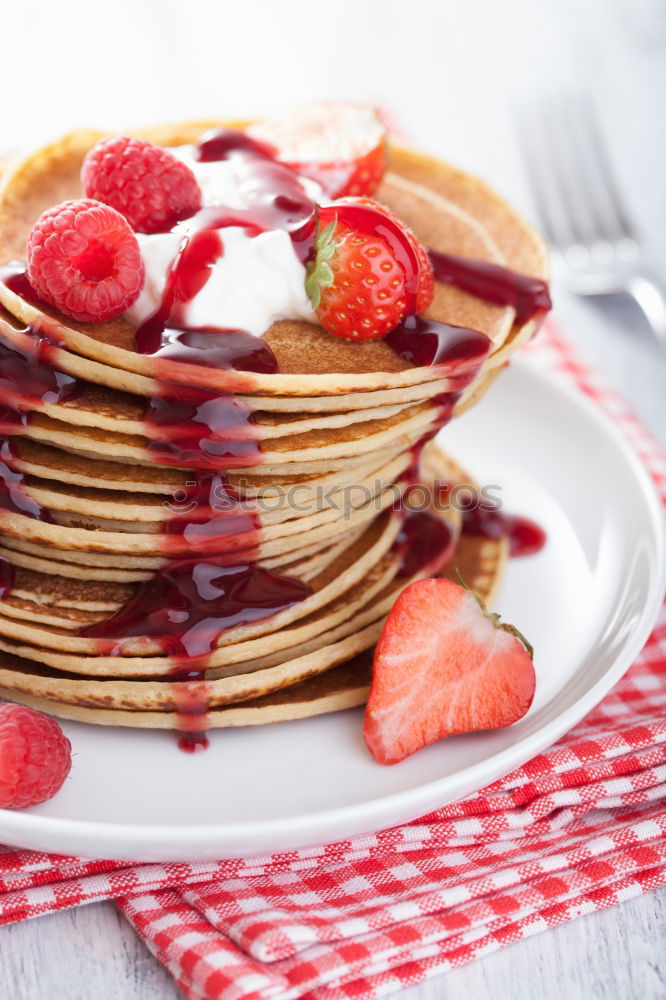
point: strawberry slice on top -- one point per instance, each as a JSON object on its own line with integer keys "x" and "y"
{"x": 339, "y": 145}
{"x": 444, "y": 665}
{"x": 367, "y": 270}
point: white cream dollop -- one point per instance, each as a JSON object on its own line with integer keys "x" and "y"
{"x": 255, "y": 281}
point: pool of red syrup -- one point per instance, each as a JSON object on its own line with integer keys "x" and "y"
{"x": 483, "y": 520}
{"x": 525, "y": 537}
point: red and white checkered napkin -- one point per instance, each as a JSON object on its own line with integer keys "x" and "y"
{"x": 579, "y": 828}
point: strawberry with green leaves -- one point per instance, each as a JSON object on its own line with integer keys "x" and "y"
{"x": 444, "y": 665}
{"x": 367, "y": 271}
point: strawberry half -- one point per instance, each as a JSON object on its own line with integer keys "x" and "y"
{"x": 367, "y": 271}
{"x": 443, "y": 665}
{"x": 340, "y": 146}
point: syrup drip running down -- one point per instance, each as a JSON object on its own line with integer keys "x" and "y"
{"x": 423, "y": 537}
{"x": 6, "y": 577}
{"x": 13, "y": 497}
{"x": 425, "y": 543}
{"x": 211, "y": 518}
{"x": 28, "y": 379}
{"x": 528, "y": 296}
{"x": 186, "y": 608}
{"x": 196, "y": 429}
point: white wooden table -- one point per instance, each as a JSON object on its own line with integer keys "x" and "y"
{"x": 450, "y": 71}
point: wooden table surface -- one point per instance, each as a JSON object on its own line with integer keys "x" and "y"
{"x": 493, "y": 54}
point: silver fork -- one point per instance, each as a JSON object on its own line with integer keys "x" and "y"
{"x": 580, "y": 207}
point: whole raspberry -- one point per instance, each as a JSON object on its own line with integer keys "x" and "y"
{"x": 84, "y": 259}
{"x": 146, "y": 184}
{"x": 35, "y": 757}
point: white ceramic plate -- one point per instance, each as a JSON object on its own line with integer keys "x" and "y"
{"x": 587, "y": 603}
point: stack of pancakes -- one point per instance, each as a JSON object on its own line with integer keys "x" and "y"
{"x": 298, "y": 484}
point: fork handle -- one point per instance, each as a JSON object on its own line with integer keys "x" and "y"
{"x": 649, "y": 296}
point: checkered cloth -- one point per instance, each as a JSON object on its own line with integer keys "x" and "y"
{"x": 579, "y": 828}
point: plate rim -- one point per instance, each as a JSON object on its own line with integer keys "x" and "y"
{"x": 372, "y": 815}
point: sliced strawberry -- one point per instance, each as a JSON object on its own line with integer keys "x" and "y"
{"x": 443, "y": 665}
{"x": 341, "y": 146}
{"x": 368, "y": 271}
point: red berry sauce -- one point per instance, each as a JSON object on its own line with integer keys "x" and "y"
{"x": 14, "y": 276}
{"x": 186, "y": 607}
{"x": 13, "y": 497}
{"x": 189, "y": 604}
{"x": 528, "y": 296}
{"x": 480, "y": 519}
{"x": 28, "y": 379}
{"x": 195, "y": 429}
{"x": 6, "y": 577}
{"x": 425, "y": 342}
{"x": 425, "y": 544}
{"x": 525, "y": 537}
{"x": 210, "y": 517}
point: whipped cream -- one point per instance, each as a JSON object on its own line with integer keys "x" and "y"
{"x": 255, "y": 281}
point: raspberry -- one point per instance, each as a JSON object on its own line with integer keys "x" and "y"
{"x": 84, "y": 259}
{"x": 35, "y": 757}
{"x": 146, "y": 184}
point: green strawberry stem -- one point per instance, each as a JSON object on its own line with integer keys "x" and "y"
{"x": 318, "y": 273}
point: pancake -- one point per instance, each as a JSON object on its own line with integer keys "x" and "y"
{"x": 268, "y": 512}
{"x": 351, "y": 567}
{"x": 307, "y": 356}
{"x": 269, "y": 503}
{"x": 365, "y": 436}
{"x": 479, "y": 561}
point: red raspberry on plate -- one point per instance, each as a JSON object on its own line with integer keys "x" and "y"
{"x": 368, "y": 271}
{"x": 146, "y": 184}
{"x": 35, "y": 757}
{"x": 84, "y": 259}
{"x": 340, "y": 145}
